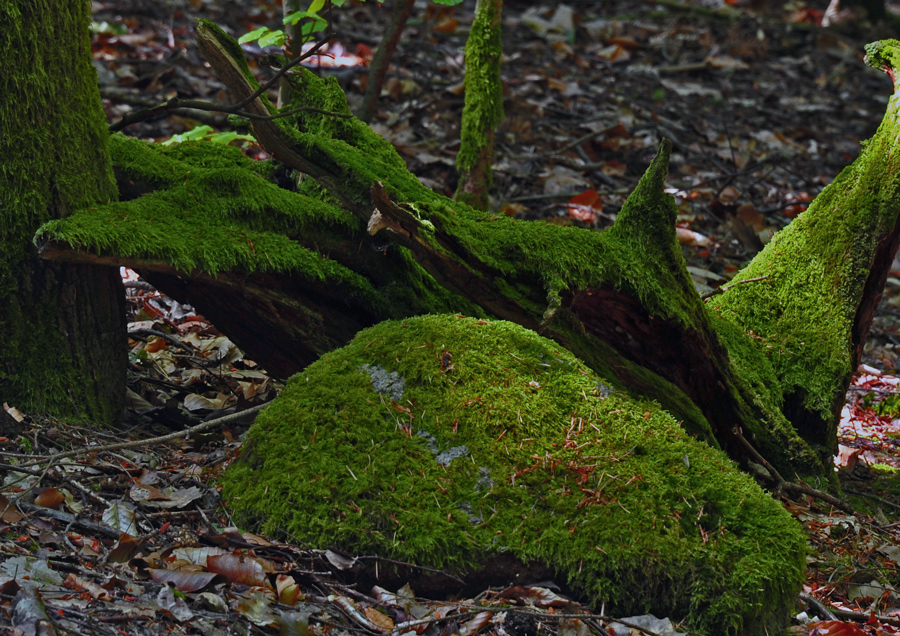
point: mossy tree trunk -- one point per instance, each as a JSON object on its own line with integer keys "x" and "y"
{"x": 62, "y": 326}
{"x": 363, "y": 241}
{"x": 483, "y": 109}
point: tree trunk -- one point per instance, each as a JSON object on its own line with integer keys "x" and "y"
{"x": 62, "y": 327}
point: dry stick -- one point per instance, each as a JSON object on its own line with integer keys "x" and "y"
{"x": 236, "y": 108}
{"x": 176, "y": 103}
{"x": 782, "y": 485}
{"x": 817, "y": 606}
{"x": 155, "y": 440}
{"x": 473, "y": 612}
{"x": 411, "y": 565}
{"x": 161, "y": 334}
{"x": 70, "y": 519}
{"x": 725, "y": 288}
{"x": 880, "y": 500}
{"x": 51, "y": 461}
{"x": 864, "y": 616}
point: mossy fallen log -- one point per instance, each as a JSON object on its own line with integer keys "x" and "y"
{"x": 484, "y": 449}
{"x": 621, "y": 299}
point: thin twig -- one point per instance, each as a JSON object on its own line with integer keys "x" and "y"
{"x": 781, "y": 485}
{"x": 818, "y": 606}
{"x": 725, "y": 288}
{"x": 411, "y": 565}
{"x": 236, "y": 108}
{"x": 149, "y": 441}
{"x": 70, "y": 519}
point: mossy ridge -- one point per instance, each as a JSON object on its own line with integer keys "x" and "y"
{"x": 802, "y": 315}
{"x": 211, "y": 214}
{"x": 555, "y": 473}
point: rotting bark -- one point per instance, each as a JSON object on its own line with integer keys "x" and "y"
{"x": 621, "y": 300}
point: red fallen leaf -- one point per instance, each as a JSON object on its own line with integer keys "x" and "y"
{"x": 847, "y": 457}
{"x": 474, "y": 625}
{"x": 807, "y": 16}
{"x": 802, "y": 199}
{"x": 185, "y": 580}
{"x": 238, "y": 569}
{"x": 364, "y": 51}
{"x": 126, "y": 548}
{"x": 49, "y": 498}
{"x": 78, "y": 583}
{"x": 384, "y": 623}
{"x": 624, "y": 42}
{"x": 836, "y": 628}
{"x": 585, "y": 206}
{"x": 447, "y": 25}
{"x": 8, "y": 513}
{"x": 154, "y": 344}
{"x": 618, "y": 131}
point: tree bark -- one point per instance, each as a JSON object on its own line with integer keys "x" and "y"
{"x": 62, "y": 327}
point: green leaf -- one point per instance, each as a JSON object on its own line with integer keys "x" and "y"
{"x": 105, "y": 27}
{"x": 192, "y": 135}
{"x": 255, "y": 34}
{"x": 223, "y": 137}
{"x": 273, "y": 38}
{"x": 319, "y": 24}
{"x": 316, "y": 5}
{"x": 229, "y": 136}
{"x": 449, "y": 3}
{"x": 295, "y": 17}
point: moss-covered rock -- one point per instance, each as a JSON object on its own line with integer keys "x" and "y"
{"x": 449, "y": 441}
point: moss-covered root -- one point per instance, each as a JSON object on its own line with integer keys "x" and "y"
{"x": 451, "y": 442}
{"x": 484, "y": 105}
{"x": 824, "y": 274}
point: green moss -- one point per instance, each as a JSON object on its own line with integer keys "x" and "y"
{"x": 165, "y": 166}
{"x": 486, "y": 439}
{"x": 483, "y": 108}
{"x": 210, "y": 215}
{"x": 54, "y": 160}
{"x": 883, "y": 55}
{"x": 234, "y": 51}
{"x": 803, "y": 314}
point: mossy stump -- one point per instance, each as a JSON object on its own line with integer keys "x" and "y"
{"x": 458, "y": 443}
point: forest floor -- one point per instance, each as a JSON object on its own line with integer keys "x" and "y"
{"x": 764, "y": 110}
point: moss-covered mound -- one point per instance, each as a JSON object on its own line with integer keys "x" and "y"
{"x": 446, "y": 441}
